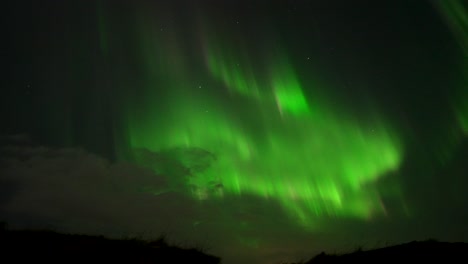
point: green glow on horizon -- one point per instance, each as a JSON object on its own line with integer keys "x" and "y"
{"x": 330, "y": 173}
{"x": 312, "y": 163}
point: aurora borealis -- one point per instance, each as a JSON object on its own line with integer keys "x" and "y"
{"x": 240, "y": 124}
{"x": 294, "y": 149}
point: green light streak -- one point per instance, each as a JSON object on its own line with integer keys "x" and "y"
{"x": 233, "y": 69}
{"x": 103, "y": 34}
{"x": 288, "y": 90}
{"x": 455, "y": 14}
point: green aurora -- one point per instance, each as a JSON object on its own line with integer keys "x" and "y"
{"x": 293, "y": 148}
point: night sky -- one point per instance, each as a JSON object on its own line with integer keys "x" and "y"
{"x": 262, "y": 131}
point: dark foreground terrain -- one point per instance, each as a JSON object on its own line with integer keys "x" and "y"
{"x": 414, "y": 252}
{"x": 27, "y": 246}
{"x": 52, "y": 247}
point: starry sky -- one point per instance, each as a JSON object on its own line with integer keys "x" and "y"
{"x": 262, "y": 131}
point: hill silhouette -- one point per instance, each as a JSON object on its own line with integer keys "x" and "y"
{"x": 28, "y": 246}
{"x": 429, "y": 251}
{"x": 34, "y": 246}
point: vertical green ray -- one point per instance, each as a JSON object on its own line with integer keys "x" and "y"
{"x": 455, "y": 13}
{"x": 287, "y": 89}
{"x": 233, "y": 69}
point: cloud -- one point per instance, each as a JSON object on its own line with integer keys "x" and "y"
{"x": 72, "y": 190}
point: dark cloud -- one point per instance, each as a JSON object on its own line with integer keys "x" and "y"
{"x": 72, "y": 190}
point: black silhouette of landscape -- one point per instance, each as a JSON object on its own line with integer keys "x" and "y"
{"x": 44, "y": 246}
{"x": 429, "y": 251}
{"x": 27, "y": 246}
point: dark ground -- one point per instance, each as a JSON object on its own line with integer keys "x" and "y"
{"x": 429, "y": 251}
{"x": 38, "y": 246}
{"x": 27, "y": 246}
